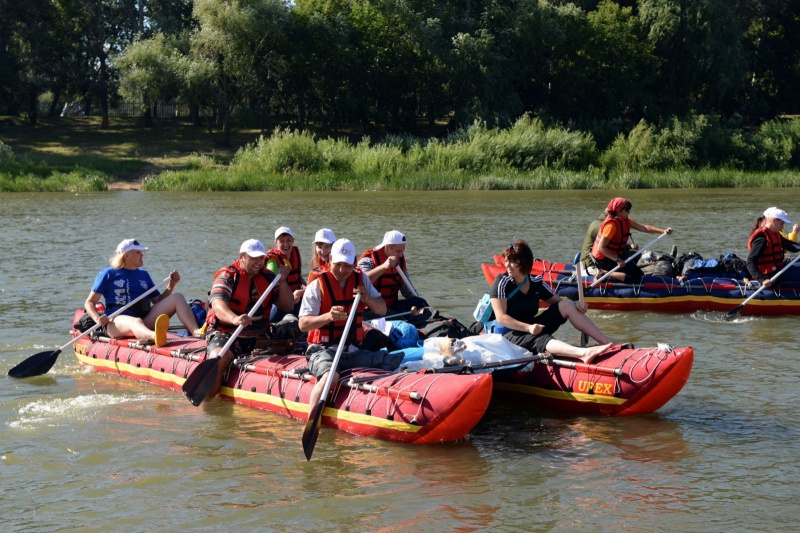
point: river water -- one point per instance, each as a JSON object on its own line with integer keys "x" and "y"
{"x": 84, "y": 451}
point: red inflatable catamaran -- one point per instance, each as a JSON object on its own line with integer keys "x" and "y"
{"x": 415, "y": 408}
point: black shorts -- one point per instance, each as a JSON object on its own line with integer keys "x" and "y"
{"x": 633, "y": 274}
{"x": 241, "y": 346}
{"x": 551, "y": 319}
{"x": 320, "y": 359}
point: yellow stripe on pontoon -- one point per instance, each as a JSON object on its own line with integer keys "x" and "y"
{"x": 339, "y": 414}
{"x": 559, "y": 395}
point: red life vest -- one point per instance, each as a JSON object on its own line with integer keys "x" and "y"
{"x": 244, "y": 296}
{"x": 390, "y": 282}
{"x": 334, "y": 294}
{"x": 314, "y": 274}
{"x": 619, "y": 243}
{"x": 294, "y": 263}
{"x": 771, "y": 259}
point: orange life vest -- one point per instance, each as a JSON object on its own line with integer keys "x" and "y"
{"x": 243, "y": 298}
{"x": 390, "y": 282}
{"x": 294, "y": 279}
{"x": 334, "y": 294}
{"x": 314, "y": 274}
{"x": 619, "y": 244}
{"x": 771, "y": 259}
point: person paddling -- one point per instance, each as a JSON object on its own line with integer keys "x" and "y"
{"x": 515, "y": 296}
{"x": 326, "y": 306}
{"x": 383, "y": 264}
{"x": 236, "y": 289}
{"x": 611, "y": 246}
{"x": 123, "y": 282}
{"x": 766, "y": 246}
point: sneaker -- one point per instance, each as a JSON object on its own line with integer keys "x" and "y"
{"x": 162, "y": 324}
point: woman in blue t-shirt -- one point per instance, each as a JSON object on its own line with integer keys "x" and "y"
{"x": 123, "y": 282}
{"x": 518, "y": 310}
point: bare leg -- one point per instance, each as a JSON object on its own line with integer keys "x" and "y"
{"x": 316, "y": 392}
{"x": 557, "y": 347}
{"x": 125, "y": 326}
{"x": 581, "y": 322}
{"x": 224, "y": 361}
{"x": 172, "y": 304}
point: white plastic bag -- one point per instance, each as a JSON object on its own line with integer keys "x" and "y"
{"x": 491, "y": 348}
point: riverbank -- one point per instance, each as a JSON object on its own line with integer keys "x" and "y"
{"x": 73, "y": 154}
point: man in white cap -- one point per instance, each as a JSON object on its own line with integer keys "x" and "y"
{"x": 323, "y": 315}
{"x": 235, "y": 291}
{"x": 766, "y": 246}
{"x": 382, "y": 263}
{"x": 286, "y": 253}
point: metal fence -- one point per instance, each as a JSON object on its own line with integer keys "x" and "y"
{"x": 122, "y": 109}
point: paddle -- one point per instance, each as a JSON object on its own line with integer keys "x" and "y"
{"x": 739, "y": 307}
{"x": 42, "y": 362}
{"x": 579, "y": 280}
{"x": 408, "y": 283}
{"x": 637, "y": 254}
{"x": 311, "y": 432}
{"x": 199, "y": 383}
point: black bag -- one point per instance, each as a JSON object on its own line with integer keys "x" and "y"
{"x": 287, "y": 330}
{"x": 657, "y": 264}
{"x": 685, "y": 262}
{"x": 86, "y": 322}
{"x": 445, "y": 327}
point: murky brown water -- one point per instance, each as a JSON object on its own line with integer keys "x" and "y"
{"x": 83, "y": 451}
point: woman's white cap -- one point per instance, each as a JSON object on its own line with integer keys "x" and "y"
{"x": 130, "y": 244}
{"x": 780, "y": 214}
{"x": 325, "y": 235}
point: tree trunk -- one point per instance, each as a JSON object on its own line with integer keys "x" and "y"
{"x": 33, "y": 103}
{"x": 147, "y": 116}
{"x": 194, "y": 114}
{"x": 103, "y": 92}
{"x": 54, "y": 104}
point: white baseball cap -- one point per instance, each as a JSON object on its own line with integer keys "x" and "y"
{"x": 283, "y": 229}
{"x": 392, "y": 237}
{"x": 130, "y": 244}
{"x": 343, "y": 251}
{"x": 325, "y": 235}
{"x": 253, "y": 248}
{"x": 780, "y": 214}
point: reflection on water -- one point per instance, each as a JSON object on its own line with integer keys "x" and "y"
{"x": 84, "y": 451}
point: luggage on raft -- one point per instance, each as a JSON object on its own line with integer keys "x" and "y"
{"x": 699, "y": 291}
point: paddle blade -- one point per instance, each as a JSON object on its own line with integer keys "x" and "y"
{"x": 733, "y": 312}
{"x": 199, "y": 383}
{"x": 311, "y": 432}
{"x": 35, "y": 365}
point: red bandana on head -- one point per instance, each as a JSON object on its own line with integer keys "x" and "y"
{"x": 617, "y": 204}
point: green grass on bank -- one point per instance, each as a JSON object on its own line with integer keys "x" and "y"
{"x": 73, "y": 154}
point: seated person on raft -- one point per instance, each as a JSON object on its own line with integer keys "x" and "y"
{"x": 519, "y": 313}
{"x": 326, "y": 306}
{"x": 123, "y": 282}
{"x": 286, "y": 253}
{"x": 588, "y": 242}
{"x": 235, "y": 291}
{"x": 381, "y": 264}
{"x": 321, "y": 253}
{"x": 767, "y": 245}
{"x": 611, "y": 247}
